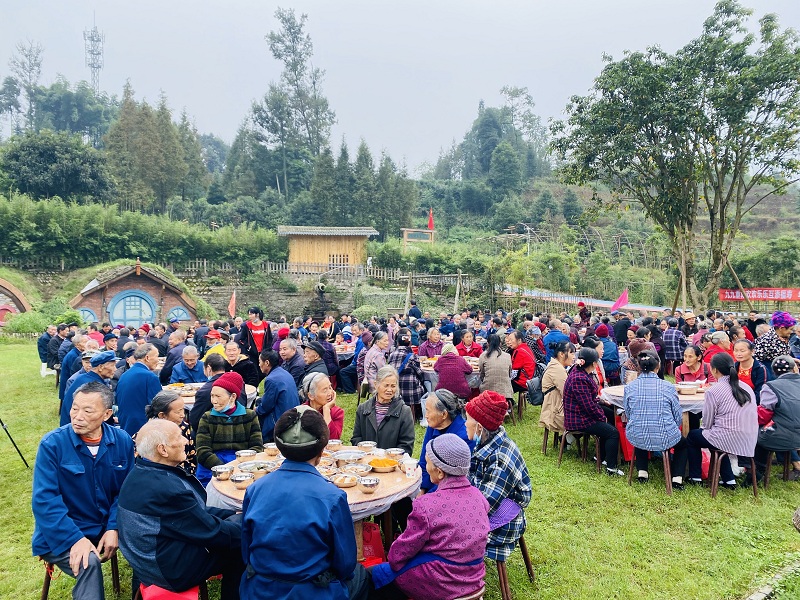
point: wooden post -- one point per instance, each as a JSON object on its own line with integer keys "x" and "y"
{"x": 458, "y": 292}
{"x": 677, "y": 293}
{"x": 739, "y": 284}
{"x": 408, "y": 293}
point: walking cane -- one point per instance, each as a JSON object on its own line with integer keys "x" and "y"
{"x": 4, "y": 426}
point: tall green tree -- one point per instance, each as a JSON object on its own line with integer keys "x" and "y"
{"x": 323, "y": 190}
{"x": 571, "y": 208}
{"x": 505, "y": 170}
{"x": 9, "y": 101}
{"x": 689, "y": 135}
{"x": 74, "y": 109}
{"x": 168, "y": 168}
{"x": 364, "y": 205}
{"x": 344, "y": 185}
{"x": 196, "y": 181}
{"x": 26, "y": 65}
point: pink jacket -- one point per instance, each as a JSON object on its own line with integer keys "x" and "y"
{"x": 453, "y": 523}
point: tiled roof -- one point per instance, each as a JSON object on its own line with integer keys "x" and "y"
{"x": 327, "y": 231}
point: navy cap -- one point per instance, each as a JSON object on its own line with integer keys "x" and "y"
{"x": 109, "y": 336}
{"x": 103, "y": 357}
{"x": 174, "y": 320}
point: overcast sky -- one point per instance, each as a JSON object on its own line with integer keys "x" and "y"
{"x": 406, "y": 76}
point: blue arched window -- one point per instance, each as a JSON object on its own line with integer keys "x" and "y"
{"x": 132, "y": 307}
{"x": 87, "y": 314}
{"x": 179, "y": 313}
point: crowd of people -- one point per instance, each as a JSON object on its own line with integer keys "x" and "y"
{"x": 128, "y": 465}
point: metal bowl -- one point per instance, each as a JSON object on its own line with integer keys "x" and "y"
{"x": 368, "y": 485}
{"x": 345, "y": 480}
{"x": 334, "y": 445}
{"x": 357, "y": 469}
{"x": 367, "y": 446}
{"x": 345, "y": 457}
{"x": 242, "y": 480}
{"x": 258, "y": 468}
{"x": 222, "y": 472}
{"x": 395, "y": 453}
{"x": 271, "y": 449}
{"x": 326, "y": 462}
{"x": 245, "y": 455}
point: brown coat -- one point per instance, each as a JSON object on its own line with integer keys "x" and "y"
{"x": 552, "y": 416}
{"x": 495, "y": 372}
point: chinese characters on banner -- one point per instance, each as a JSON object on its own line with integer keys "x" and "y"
{"x": 776, "y": 294}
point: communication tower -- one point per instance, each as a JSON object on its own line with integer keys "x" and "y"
{"x": 94, "y": 55}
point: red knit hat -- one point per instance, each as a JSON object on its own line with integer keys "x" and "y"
{"x": 601, "y": 330}
{"x": 283, "y": 333}
{"x": 489, "y": 409}
{"x": 231, "y": 382}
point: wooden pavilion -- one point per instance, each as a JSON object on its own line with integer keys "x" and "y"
{"x": 331, "y": 246}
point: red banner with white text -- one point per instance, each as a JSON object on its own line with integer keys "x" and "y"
{"x": 774, "y": 294}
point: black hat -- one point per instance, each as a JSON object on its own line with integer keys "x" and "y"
{"x": 315, "y": 346}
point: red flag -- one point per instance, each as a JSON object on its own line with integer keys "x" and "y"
{"x": 621, "y": 301}
{"x": 430, "y": 219}
{"x": 232, "y": 305}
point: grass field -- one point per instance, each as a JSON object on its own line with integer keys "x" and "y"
{"x": 590, "y": 536}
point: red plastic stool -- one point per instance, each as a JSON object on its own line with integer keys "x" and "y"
{"x": 153, "y": 592}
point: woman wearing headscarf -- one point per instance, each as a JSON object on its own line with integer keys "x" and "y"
{"x": 308, "y": 551}
{"x": 775, "y": 342}
{"x": 443, "y": 413}
{"x": 630, "y": 368}
{"x": 453, "y": 371}
{"x": 440, "y": 554}
{"x": 499, "y": 472}
{"x": 226, "y": 428}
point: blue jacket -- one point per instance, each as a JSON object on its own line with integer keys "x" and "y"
{"x": 75, "y": 494}
{"x": 610, "y": 355}
{"x": 41, "y": 346}
{"x": 459, "y": 427}
{"x": 66, "y": 405}
{"x": 280, "y": 394}
{"x": 64, "y": 348}
{"x": 167, "y": 533}
{"x": 67, "y": 370}
{"x": 315, "y": 535}
{"x": 654, "y": 413}
{"x": 136, "y": 388}
{"x": 174, "y": 356}
{"x": 183, "y": 374}
{"x": 359, "y": 347}
{"x": 554, "y": 337}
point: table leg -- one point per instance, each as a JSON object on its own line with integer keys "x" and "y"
{"x": 685, "y": 427}
{"x": 358, "y": 527}
{"x": 388, "y": 530}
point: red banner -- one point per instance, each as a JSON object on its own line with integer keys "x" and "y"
{"x": 774, "y": 294}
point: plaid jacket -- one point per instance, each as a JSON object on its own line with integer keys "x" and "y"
{"x": 654, "y": 413}
{"x": 581, "y": 409}
{"x": 411, "y": 388}
{"x": 674, "y": 343}
{"x": 499, "y": 471}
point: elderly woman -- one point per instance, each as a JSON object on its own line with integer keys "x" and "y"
{"x": 468, "y": 347}
{"x": 226, "y": 428}
{"x": 169, "y": 405}
{"x": 779, "y": 414}
{"x": 433, "y": 345}
{"x": 720, "y": 343}
{"x": 730, "y": 422}
{"x": 654, "y": 417}
{"x": 553, "y": 380}
{"x": 582, "y": 412}
{"x": 774, "y": 341}
{"x": 494, "y": 368}
{"x": 237, "y": 362}
{"x": 385, "y": 418}
{"x": 499, "y": 472}
{"x": 316, "y": 391}
{"x": 453, "y": 371}
{"x": 630, "y": 368}
{"x": 416, "y": 567}
{"x": 412, "y": 382}
{"x": 375, "y": 358}
{"x": 443, "y": 412}
{"x": 297, "y": 533}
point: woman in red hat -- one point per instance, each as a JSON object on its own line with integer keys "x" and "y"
{"x": 499, "y": 472}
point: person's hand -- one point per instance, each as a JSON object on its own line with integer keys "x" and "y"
{"x": 79, "y": 554}
{"x": 326, "y": 408}
{"x": 108, "y": 544}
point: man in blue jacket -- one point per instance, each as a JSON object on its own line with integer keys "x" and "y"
{"x": 41, "y": 346}
{"x": 102, "y": 367}
{"x": 190, "y": 369}
{"x": 136, "y": 388}
{"x": 168, "y": 534}
{"x": 78, "y": 474}
{"x": 280, "y": 393}
{"x": 553, "y": 337}
{"x": 71, "y": 362}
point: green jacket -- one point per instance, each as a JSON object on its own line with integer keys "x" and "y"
{"x": 241, "y": 431}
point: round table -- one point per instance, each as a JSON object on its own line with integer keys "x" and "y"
{"x": 394, "y": 486}
{"x": 690, "y": 403}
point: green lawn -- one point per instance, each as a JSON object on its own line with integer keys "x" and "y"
{"x": 589, "y": 536}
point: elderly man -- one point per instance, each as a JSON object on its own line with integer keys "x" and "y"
{"x": 41, "y": 347}
{"x": 101, "y": 368}
{"x": 279, "y": 393}
{"x": 292, "y": 360}
{"x": 169, "y": 536}
{"x": 79, "y": 472}
{"x": 554, "y": 336}
{"x": 136, "y": 388}
{"x": 54, "y": 344}
{"x": 124, "y": 363}
{"x": 71, "y": 362}
{"x": 313, "y": 354}
{"x": 177, "y": 342}
{"x": 190, "y": 369}
{"x": 110, "y": 342}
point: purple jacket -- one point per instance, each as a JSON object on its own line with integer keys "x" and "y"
{"x": 457, "y": 535}
{"x": 453, "y": 371}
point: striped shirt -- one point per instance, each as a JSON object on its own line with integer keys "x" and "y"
{"x": 726, "y": 425}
